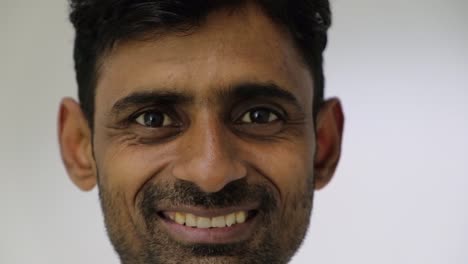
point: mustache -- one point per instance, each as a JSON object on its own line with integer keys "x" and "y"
{"x": 185, "y": 193}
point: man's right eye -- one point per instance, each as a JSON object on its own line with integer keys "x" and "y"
{"x": 154, "y": 119}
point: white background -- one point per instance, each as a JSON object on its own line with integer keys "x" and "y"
{"x": 400, "y": 194}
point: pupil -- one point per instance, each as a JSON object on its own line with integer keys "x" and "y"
{"x": 260, "y": 116}
{"x": 154, "y": 119}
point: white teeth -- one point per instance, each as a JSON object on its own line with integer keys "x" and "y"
{"x": 203, "y": 222}
{"x": 218, "y": 221}
{"x": 180, "y": 218}
{"x": 206, "y": 222}
{"x": 240, "y": 217}
{"x": 231, "y": 219}
{"x": 190, "y": 220}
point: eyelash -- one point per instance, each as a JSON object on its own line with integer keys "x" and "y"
{"x": 258, "y": 130}
{"x": 281, "y": 115}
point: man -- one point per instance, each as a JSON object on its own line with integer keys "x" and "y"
{"x": 203, "y": 124}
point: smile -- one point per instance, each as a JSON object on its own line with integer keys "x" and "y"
{"x": 209, "y": 226}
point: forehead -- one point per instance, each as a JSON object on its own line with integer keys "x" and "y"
{"x": 229, "y": 47}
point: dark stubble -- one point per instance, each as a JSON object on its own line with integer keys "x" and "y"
{"x": 278, "y": 234}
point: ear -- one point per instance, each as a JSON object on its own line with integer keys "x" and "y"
{"x": 75, "y": 145}
{"x": 329, "y": 132}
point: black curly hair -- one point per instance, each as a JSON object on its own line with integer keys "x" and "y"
{"x": 100, "y": 23}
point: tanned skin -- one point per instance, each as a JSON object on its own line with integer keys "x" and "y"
{"x": 212, "y": 122}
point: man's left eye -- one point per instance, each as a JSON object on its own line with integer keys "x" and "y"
{"x": 154, "y": 119}
{"x": 259, "y": 116}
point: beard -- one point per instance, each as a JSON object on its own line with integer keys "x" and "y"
{"x": 279, "y": 229}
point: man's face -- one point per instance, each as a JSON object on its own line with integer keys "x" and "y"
{"x": 204, "y": 144}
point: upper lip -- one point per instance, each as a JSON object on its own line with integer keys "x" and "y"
{"x": 209, "y": 212}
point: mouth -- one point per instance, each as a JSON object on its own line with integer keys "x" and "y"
{"x": 204, "y": 226}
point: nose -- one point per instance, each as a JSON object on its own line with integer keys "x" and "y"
{"x": 207, "y": 157}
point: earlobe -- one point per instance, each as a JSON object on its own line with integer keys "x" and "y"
{"x": 75, "y": 145}
{"x": 329, "y": 133}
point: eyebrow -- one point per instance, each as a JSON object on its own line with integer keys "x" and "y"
{"x": 242, "y": 91}
{"x": 245, "y": 91}
{"x": 163, "y": 97}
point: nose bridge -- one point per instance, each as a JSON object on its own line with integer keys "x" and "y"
{"x": 208, "y": 159}
{"x": 207, "y": 142}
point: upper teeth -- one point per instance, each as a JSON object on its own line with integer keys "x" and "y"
{"x": 207, "y": 222}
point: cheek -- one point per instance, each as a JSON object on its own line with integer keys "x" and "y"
{"x": 289, "y": 166}
{"x": 291, "y": 171}
{"x": 127, "y": 167}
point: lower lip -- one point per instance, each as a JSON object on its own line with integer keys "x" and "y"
{"x": 220, "y": 235}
